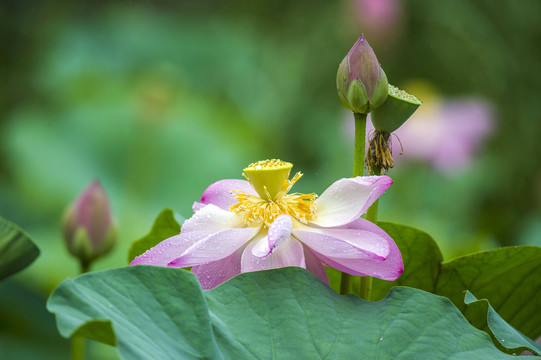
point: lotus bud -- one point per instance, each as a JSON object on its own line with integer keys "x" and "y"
{"x": 361, "y": 82}
{"x": 88, "y": 227}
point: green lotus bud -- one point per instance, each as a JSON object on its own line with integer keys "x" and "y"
{"x": 398, "y": 107}
{"x": 361, "y": 82}
{"x": 88, "y": 228}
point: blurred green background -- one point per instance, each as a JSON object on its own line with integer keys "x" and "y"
{"x": 158, "y": 99}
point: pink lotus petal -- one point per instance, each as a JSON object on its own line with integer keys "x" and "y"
{"x": 279, "y": 232}
{"x": 219, "y": 193}
{"x": 290, "y": 253}
{"x": 341, "y": 265}
{"x": 212, "y": 218}
{"x": 364, "y": 65}
{"x": 344, "y": 243}
{"x": 213, "y": 274}
{"x": 389, "y": 269}
{"x": 197, "y": 206}
{"x": 170, "y": 249}
{"x": 214, "y": 247}
{"x": 347, "y": 199}
{"x": 314, "y": 265}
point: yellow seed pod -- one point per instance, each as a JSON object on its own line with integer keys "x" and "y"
{"x": 268, "y": 177}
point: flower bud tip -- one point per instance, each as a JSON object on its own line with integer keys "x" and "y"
{"x": 88, "y": 227}
{"x": 361, "y": 71}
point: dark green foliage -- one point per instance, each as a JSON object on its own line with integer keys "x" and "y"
{"x": 17, "y": 250}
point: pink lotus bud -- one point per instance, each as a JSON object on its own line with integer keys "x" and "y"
{"x": 88, "y": 228}
{"x": 361, "y": 82}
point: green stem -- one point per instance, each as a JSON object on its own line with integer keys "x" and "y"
{"x": 77, "y": 348}
{"x": 78, "y": 342}
{"x": 346, "y": 284}
{"x": 358, "y": 150}
{"x": 365, "y": 287}
{"x": 85, "y": 267}
{"x": 372, "y": 216}
{"x": 372, "y": 212}
{"x": 346, "y": 280}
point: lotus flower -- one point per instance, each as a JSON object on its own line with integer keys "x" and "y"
{"x": 242, "y": 226}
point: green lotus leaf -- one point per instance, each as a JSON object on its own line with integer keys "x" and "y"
{"x": 483, "y": 316}
{"x": 162, "y": 313}
{"x": 17, "y": 250}
{"x": 165, "y": 226}
{"x": 509, "y": 277}
{"x": 421, "y": 256}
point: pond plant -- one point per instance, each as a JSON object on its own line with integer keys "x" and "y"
{"x": 262, "y": 272}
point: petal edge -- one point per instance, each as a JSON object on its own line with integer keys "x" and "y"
{"x": 347, "y": 199}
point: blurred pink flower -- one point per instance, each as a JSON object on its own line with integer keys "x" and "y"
{"x": 444, "y": 133}
{"x": 448, "y": 136}
{"x": 239, "y": 226}
{"x": 378, "y": 18}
